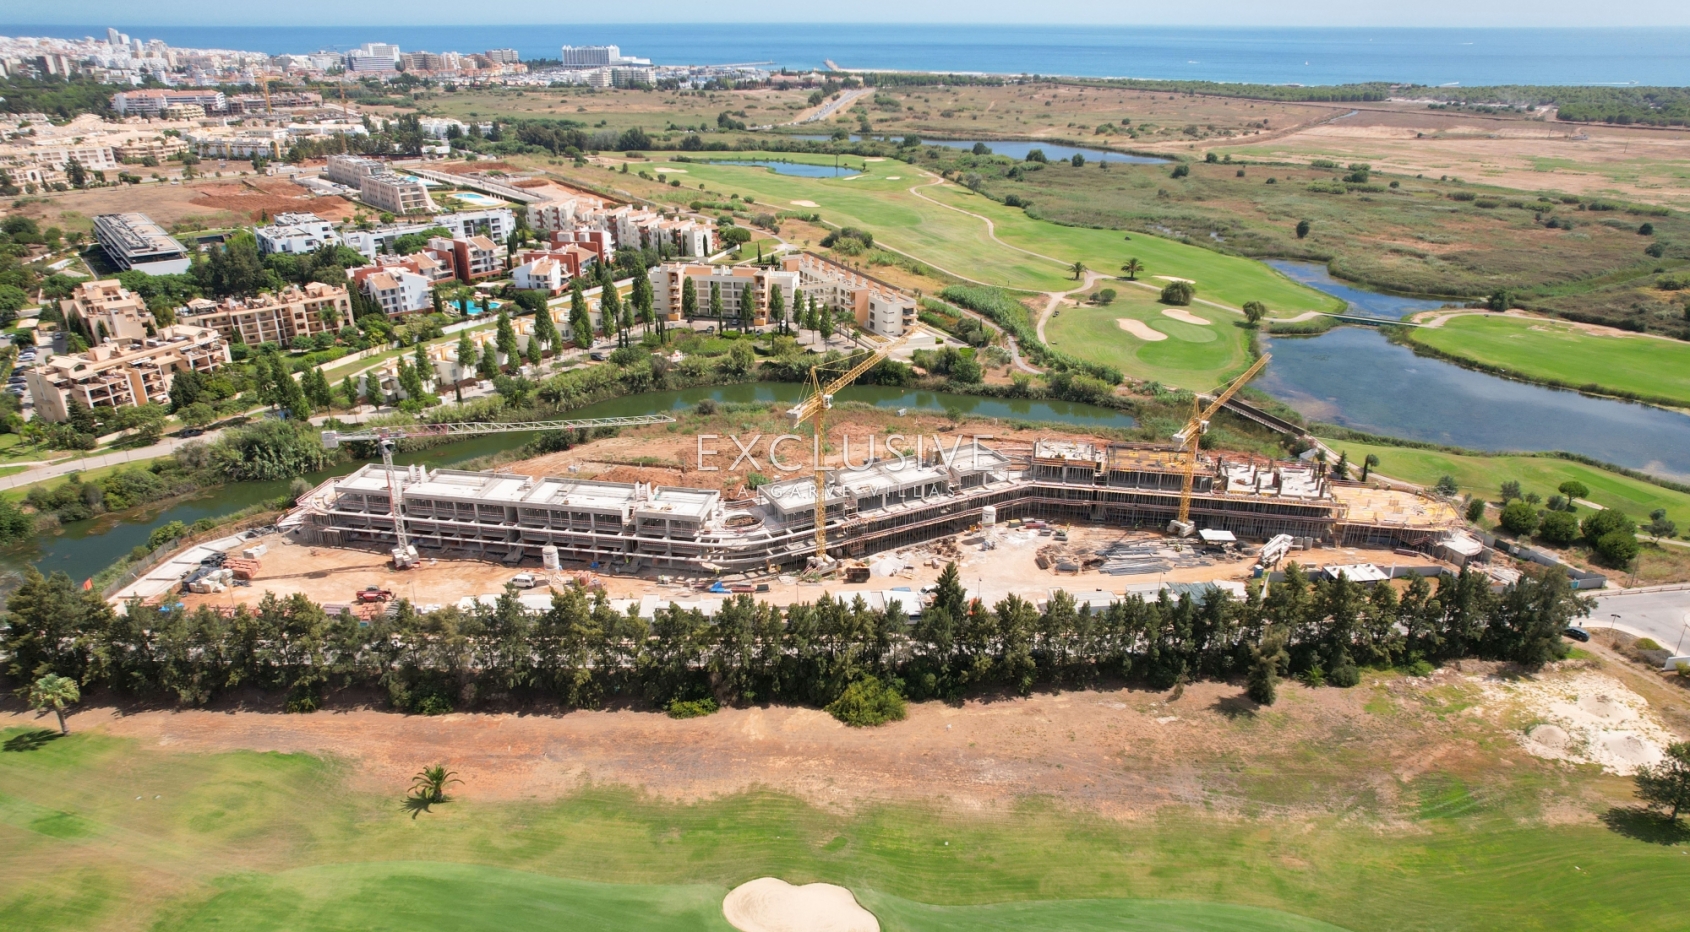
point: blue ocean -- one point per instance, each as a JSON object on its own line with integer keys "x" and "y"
{"x": 1258, "y": 55}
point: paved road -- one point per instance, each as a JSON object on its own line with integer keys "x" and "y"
{"x": 1663, "y": 616}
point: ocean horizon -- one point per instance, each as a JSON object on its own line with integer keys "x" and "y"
{"x": 1312, "y": 56}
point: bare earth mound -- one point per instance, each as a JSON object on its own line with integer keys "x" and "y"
{"x": 769, "y": 904}
{"x": 1586, "y": 718}
{"x": 1140, "y": 329}
{"x": 1184, "y": 316}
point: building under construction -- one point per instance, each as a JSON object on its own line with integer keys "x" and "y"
{"x": 884, "y": 504}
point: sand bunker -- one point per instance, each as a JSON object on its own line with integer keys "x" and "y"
{"x": 804, "y": 204}
{"x": 1183, "y": 315}
{"x": 894, "y": 177}
{"x": 1176, "y": 278}
{"x": 1140, "y": 329}
{"x": 1585, "y": 718}
{"x": 671, "y": 171}
{"x": 769, "y": 904}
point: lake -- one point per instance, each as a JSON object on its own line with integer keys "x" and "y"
{"x": 1362, "y": 302}
{"x": 1018, "y": 148}
{"x": 1356, "y": 378}
{"x": 799, "y": 169}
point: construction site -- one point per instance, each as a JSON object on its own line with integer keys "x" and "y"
{"x": 1114, "y": 509}
{"x": 633, "y": 528}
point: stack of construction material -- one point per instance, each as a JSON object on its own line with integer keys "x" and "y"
{"x": 242, "y": 568}
{"x": 209, "y": 580}
{"x": 1133, "y": 558}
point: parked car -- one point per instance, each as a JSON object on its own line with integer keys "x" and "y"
{"x": 190, "y": 432}
{"x": 1577, "y": 634}
{"x": 525, "y": 580}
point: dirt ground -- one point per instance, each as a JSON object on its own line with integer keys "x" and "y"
{"x": 1649, "y": 165}
{"x": 208, "y": 203}
{"x": 1122, "y": 753}
{"x": 332, "y": 575}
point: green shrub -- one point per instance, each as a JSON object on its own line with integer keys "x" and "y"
{"x": 1178, "y": 293}
{"x": 434, "y": 704}
{"x": 1519, "y": 517}
{"x": 692, "y": 708}
{"x": 1345, "y": 674}
{"x": 1420, "y": 668}
{"x": 1646, "y": 644}
{"x": 1559, "y": 528}
{"x": 1617, "y": 548}
{"x": 867, "y": 702}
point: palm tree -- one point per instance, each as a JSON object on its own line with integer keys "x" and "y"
{"x": 55, "y": 692}
{"x": 1078, "y": 269}
{"x": 1132, "y": 267}
{"x": 430, "y": 783}
{"x": 1367, "y": 465}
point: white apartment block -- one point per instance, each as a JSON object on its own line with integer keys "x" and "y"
{"x": 395, "y": 194}
{"x": 542, "y": 274}
{"x": 293, "y": 234}
{"x": 116, "y": 375}
{"x": 158, "y": 148}
{"x": 154, "y": 101}
{"x": 738, "y": 285}
{"x": 495, "y": 224}
{"x": 351, "y": 170}
{"x": 399, "y": 291}
{"x": 875, "y": 305}
{"x": 273, "y": 317}
{"x": 90, "y": 156}
{"x": 269, "y": 143}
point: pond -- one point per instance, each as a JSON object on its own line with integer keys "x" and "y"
{"x": 1018, "y": 149}
{"x": 1356, "y": 378}
{"x": 85, "y": 547}
{"x": 1363, "y": 303}
{"x": 798, "y": 169}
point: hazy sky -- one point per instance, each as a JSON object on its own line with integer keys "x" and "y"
{"x": 1115, "y": 12}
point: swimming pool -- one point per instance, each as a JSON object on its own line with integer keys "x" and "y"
{"x": 475, "y": 198}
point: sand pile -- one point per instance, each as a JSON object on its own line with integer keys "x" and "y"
{"x": 769, "y": 904}
{"x": 1585, "y": 718}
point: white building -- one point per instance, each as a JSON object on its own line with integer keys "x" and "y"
{"x": 395, "y": 193}
{"x": 495, "y": 224}
{"x": 293, "y": 234}
{"x": 399, "y": 291}
{"x": 351, "y": 170}
{"x": 134, "y": 241}
{"x": 373, "y": 57}
{"x": 542, "y": 274}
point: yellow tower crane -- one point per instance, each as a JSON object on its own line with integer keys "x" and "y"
{"x": 1191, "y": 435}
{"x": 814, "y": 409}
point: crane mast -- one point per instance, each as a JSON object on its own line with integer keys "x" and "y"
{"x": 1191, "y": 435}
{"x": 387, "y": 438}
{"x": 814, "y": 409}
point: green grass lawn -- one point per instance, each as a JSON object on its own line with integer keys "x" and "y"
{"x": 1483, "y": 476}
{"x": 97, "y": 832}
{"x": 1192, "y": 356}
{"x": 1552, "y": 351}
{"x": 880, "y": 200}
